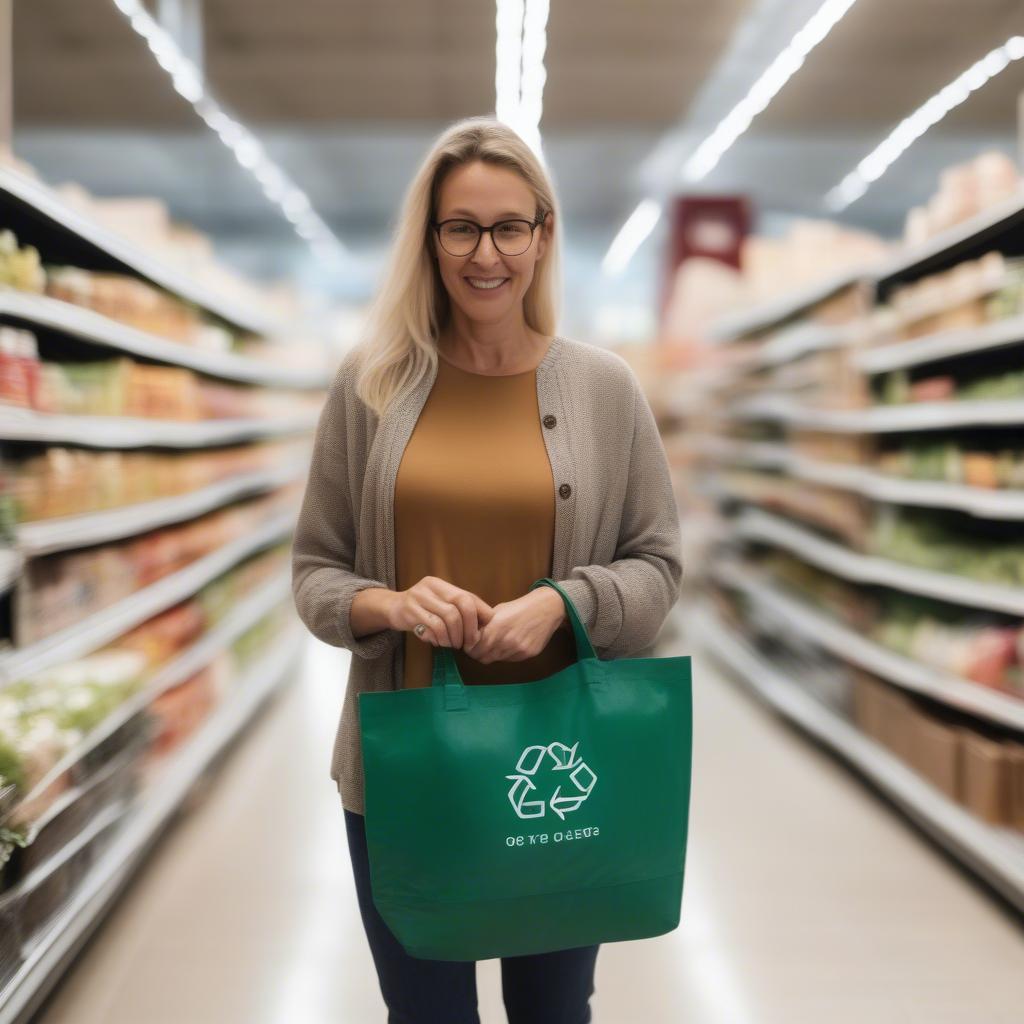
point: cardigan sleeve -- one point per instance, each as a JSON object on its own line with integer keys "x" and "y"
{"x": 324, "y": 544}
{"x": 625, "y": 603}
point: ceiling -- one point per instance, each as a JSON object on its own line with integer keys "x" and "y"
{"x": 320, "y": 62}
{"x": 347, "y": 95}
{"x": 887, "y": 58}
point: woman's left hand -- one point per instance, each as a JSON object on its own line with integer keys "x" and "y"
{"x": 519, "y": 629}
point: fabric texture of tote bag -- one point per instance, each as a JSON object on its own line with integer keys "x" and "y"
{"x": 522, "y": 818}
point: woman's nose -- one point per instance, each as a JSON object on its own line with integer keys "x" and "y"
{"x": 485, "y": 251}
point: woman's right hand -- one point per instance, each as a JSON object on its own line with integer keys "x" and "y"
{"x": 453, "y": 616}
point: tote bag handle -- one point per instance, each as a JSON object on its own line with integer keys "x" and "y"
{"x": 446, "y": 672}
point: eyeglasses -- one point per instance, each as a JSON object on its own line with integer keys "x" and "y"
{"x": 510, "y": 237}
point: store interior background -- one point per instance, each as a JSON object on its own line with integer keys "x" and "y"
{"x": 859, "y": 794}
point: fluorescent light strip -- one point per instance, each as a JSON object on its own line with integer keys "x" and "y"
{"x": 535, "y": 41}
{"x": 911, "y": 128}
{"x": 631, "y": 236}
{"x": 704, "y": 159}
{"x": 508, "y": 58}
{"x": 519, "y": 66}
{"x": 764, "y": 90}
{"x": 248, "y": 151}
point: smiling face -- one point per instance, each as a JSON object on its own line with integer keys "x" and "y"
{"x": 486, "y": 193}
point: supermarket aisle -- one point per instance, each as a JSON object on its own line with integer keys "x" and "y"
{"x": 807, "y": 900}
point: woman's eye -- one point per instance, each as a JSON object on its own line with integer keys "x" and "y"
{"x": 511, "y": 228}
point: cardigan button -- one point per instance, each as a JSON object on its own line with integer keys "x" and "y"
{"x": 565, "y": 490}
{"x": 549, "y": 421}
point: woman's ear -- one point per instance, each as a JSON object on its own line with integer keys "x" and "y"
{"x": 544, "y": 235}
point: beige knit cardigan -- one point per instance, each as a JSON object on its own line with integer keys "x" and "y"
{"x": 617, "y": 543}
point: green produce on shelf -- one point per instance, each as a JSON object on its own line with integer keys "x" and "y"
{"x": 1008, "y": 301}
{"x": 45, "y": 716}
{"x": 1003, "y": 386}
{"x": 897, "y": 388}
{"x": 984, "y": 647}
{"x": 19, "y": 265}
{"x": 10, "y": 837}
{"x": 950, "y": 462}
{"x": 258, "y": 636}
{"x": 925, "y": 541}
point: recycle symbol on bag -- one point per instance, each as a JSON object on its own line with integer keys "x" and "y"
{"x": 565, "y": 760}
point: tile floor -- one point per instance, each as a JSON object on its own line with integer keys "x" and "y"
{"x": 808, "y": 899}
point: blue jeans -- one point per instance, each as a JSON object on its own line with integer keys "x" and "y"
{"x": 546, "y": 988}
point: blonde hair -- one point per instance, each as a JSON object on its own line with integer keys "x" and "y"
{"x": 397, "y": 345}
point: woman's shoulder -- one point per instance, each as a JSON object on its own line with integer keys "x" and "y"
{"x": 599, "y": 367}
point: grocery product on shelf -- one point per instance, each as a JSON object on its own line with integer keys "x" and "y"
{"x": 969, "y": 294}
{"x": 62, "y": 589}
{"x": 61, "y": 481}
{"x": 970, "y": 762}
{"x": 19, "y": 368}
{"x": 19, "y": 265}
{"x": 836, "y": 511}
{"x": 898, "y": 387}
{"x": 979, "y": 645}
{"x": 125, "y": 387}
{"x": 88, "y": 804}
{"x": 965, "y": 190}
{"x": 981, "y": 770}
{"x": 45, "y": 716}
{"x": 42, "y": 717}
{"x": 950, "y": 542}
{"x": 810, "y": 251}
{"x": 137, "y": 304}
{"x": 985, "y": 462}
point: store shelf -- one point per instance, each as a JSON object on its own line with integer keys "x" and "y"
{"x": 60, "y": 534}
{"x": 762, "y": 454}
{"x": 987, "y": 503}
{"x": 847, "y": 643}
{"x": 133, "y": 432}
{"x": 958, "y": 242}
{"x": 942, "y": 345}
{"x": 800, "y": 340}
{"x": 42, "y": 311}
{"x": 242, "y": 616}
{"x": 27, "y": 202}
{"x": 755, "y": 524}
{"x": 955, "y": 244}
{"x": 880, "y": 419}
{"x": 151, "y": 812}
{"x": 11, "y": 562}
{"x": 109, "y": 623}
{"x": 766, "y": 314}
{"x": 995, "y": 854}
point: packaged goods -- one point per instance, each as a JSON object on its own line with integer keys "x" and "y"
{"x": 64, "y": 588}
{"x": 934, "y": 542}
{"x": 65, "y": 481}
{"x": 986, "y": 778}
{"x": 19, "y": 265}
{"x": 19, "y": 367}
{"x": 126, "y": 299}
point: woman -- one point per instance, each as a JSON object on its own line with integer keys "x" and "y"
{"x": 466, "y": 450}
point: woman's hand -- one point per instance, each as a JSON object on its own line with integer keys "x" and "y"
{"x": 519, "y": 629}
{"x": 453, "y": 616}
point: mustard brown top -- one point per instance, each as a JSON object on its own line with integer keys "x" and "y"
{"x": 475, "y": 505}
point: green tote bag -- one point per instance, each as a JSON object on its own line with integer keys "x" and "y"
{"x": 512, "y": 819}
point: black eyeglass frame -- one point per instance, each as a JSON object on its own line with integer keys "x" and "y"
{"x": 481, "y": 231}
